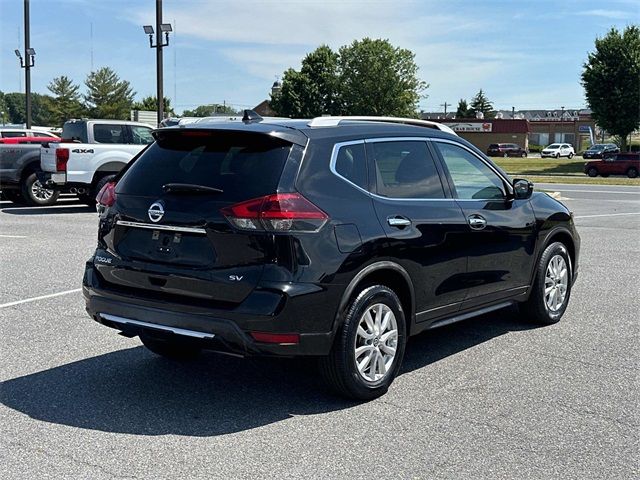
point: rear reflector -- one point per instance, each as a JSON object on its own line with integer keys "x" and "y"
{"x": 62, "y": 157}
{"x": 107, "y": 195}
{"x": 281, "y": 212}
{"x": 279, "y": 338}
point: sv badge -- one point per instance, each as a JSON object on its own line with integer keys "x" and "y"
{"x": 236, "y": 278}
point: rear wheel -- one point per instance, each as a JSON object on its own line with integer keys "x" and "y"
{"x": 552, "y": 286}
{"x": 367, "y": 352}
{"x": 175, "y": 349}
{"x": 34, "y": 193}
{"x": 632, "y": 172}
{"x": 505, "y": 155}
{"x": 90, "y": 198}
{"x": 557, "y": 155}
{"x": 592, "y": 172}
{"x": 570, "y": 156}
{"x": 523, "y": 154}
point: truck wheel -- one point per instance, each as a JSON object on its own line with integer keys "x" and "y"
{"x": 90, "y": 198}
{"x": 632, "y": 173}
{"x": 173, "y": 349}
{"x": 33, "y": 193}
{"x": 367, "y": 351}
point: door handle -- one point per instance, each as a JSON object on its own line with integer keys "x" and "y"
{"x": 399, "y": 222}
{"x": 477, "y": 222}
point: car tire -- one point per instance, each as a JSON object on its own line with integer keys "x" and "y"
{"x": 551, "y": 288}
{"x": 13, "y": 196}
{"x": 174, "y": 349}
{"x": 90, "y": 198}
{"x": 505, "y": 155}
{"x": 34, "y": 194}
{"x": 570, "y": 156}
{"x": 632, "y": 172}
{"x": 365, "y": 335}
{"x": 592, "y": 172}
{"x": 523, "y": 154}
{"x": 557, "y": 155}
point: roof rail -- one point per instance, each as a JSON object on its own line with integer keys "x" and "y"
{"x": 329, "y": 121}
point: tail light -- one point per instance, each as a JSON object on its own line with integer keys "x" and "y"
{"x": 107, "y": 195}
{"x": 279, "y": 338}
{"x": 62, "y": 157}
{"x": 281, "y": 212}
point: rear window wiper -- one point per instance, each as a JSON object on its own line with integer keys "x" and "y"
{"x": 189, "y": 188}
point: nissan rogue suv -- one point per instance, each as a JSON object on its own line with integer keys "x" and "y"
{"x": 336, "y": 238}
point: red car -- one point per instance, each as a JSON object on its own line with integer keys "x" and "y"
{"x": 618, "y": 164}
{"x": 16, "y": 140}
{"x": 506, "y": 150}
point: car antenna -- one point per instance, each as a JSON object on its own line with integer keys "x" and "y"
{"x": 250, "y": 116}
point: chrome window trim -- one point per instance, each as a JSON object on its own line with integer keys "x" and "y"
{"x": 169, "y": 228}
{"x": 334, "y": 157}
{"x": 497, "y": 172}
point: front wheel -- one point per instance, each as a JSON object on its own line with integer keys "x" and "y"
{"x": 632, "y": 173}
{"x": 557, "y": 155}
{"x": 34, "y": 193}
{"x": 551, "y": 288}
{"x": 523, "y": 154}
{"x": 174, "y": 349}
{"x": 368, "y": 349}
{"x": 592, "y": 172}
{"x": 570, "y": 156}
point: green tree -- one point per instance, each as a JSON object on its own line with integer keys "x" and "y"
{"x": 150, "y": 104}
{"x": 107, "y": 96}
{"x": 480, "y": 103}
{"x": 312, "y": 91}
{"x": 611, "y": 80}
{"x": 210, "y": 110}
{"x": 66, "y": 101}
{"x": 463, "y": 109}
{"x": 377, "y": 78}
{"x": 15, "y": 111}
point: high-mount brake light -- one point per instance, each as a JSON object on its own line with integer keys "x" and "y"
{"x": 281, "y": 212}
{"x": 62, "y": 157}
{"x": 107, "y": 195}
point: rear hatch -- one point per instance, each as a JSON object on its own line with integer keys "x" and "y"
{"x": 166, "y": 224}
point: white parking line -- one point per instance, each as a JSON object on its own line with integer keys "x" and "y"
{"x": 13, "y": 236}
{"x": 607, "y": 215}
{"x": 42, "y": 297}
{"x": 571, "y": 190}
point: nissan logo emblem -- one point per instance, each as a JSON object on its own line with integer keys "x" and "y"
{"x": 156, "y": 212}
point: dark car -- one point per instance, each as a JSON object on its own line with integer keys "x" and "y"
{"x": 506, "y": 150}
{"x": 332, "y": 238}
{"x": 614, "y": 164}
{"x": 600, "y": 150}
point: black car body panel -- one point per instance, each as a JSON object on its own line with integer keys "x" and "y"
{"x": 196, "y": 269}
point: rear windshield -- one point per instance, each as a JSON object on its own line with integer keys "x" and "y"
{"x": 75, "y": 131}
{"x": 244, "y": 165}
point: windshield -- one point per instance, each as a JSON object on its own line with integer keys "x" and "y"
{"x": 597, "y": 147}
{"x": 554, "y": 146}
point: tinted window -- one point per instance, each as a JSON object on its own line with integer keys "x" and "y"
{"x": 405, "y": 170}
{"x": 141, "y": 135}
{"x": 472, "y": 178}
{"x": 243, "y": 165}
{"x": 351, "y": 164}
{"x": 14, "y": 134}
{"x": 108, "y": 133}
{"x": 75, "y": 131}
{"x": 493, "y": 145}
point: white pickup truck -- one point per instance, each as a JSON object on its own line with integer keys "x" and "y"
{"x": 91, "y": 152}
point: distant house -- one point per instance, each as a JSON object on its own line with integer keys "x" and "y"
{"x": 264, "y": 109}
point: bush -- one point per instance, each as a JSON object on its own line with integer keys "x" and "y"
{"x": 533, "y": 148}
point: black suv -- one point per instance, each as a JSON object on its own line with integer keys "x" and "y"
{"x": 336, "y": 238}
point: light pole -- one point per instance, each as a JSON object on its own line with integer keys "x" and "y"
{"x": 27, "y": 62}
{"x": 159, "y": 30}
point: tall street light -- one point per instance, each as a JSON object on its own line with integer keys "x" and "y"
{"x": 27, "y": 62}
{"x": 159, "y": 30}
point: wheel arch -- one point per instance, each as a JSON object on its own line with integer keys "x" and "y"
{"x": 107, "y": 168}
{"x": 563, "y": 236}
{"x": 389, "y": 274}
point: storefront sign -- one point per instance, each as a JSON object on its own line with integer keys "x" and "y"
{"x": 484, "y": 127}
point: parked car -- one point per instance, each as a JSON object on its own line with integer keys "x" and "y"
{"x": 91, "y": 153}
{"x": 558, "y": 150}
{"x": 19, "y": 167}
{"x": 600, "y": 149}
{"x": 334, "y": 238}
{"x": 506, "y": 150}
{"x": 24, "y": 132}
{"x": 615, "y": 164}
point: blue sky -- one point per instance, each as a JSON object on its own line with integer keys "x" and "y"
{"x": 526, "y": 54}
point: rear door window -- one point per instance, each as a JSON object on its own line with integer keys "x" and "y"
{"x": 109, "y": 133}
{"x": 405, "y": 169}
{"x": 141, "y": 135}
{"x": 243, "y": 165}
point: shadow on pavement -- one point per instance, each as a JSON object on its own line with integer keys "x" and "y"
{"x": 133, "y": 391}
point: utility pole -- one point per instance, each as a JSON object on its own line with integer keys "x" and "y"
{"x": 513, "y": 113}
{"x": 28, "y": 64}
{"x": 159, "y": 30}
{"x": 445, "y": 105}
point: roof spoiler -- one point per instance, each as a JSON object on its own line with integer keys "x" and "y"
{"x": 330, "y": 121}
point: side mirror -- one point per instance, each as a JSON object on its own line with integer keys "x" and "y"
{"x": 522, "y": 189}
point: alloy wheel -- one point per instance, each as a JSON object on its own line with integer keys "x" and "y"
{"x": 376, "y": 342}
{"x": 556, "y": 283}
{"x": 39, "y": 192}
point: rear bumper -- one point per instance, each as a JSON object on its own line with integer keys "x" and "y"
{"x": 52, "y": 179}
{"x": 215, "y": 329}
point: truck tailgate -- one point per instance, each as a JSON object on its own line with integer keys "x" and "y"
{"x": 48, "y": 157}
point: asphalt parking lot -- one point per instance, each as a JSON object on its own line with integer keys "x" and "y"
{"x": 491, "y": 397}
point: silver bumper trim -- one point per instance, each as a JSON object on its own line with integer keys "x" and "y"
{"x": 170, "y": 228}
{"x": 166, "y": 328}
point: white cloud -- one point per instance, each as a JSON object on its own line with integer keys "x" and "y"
{"x": 612, "y": 14}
